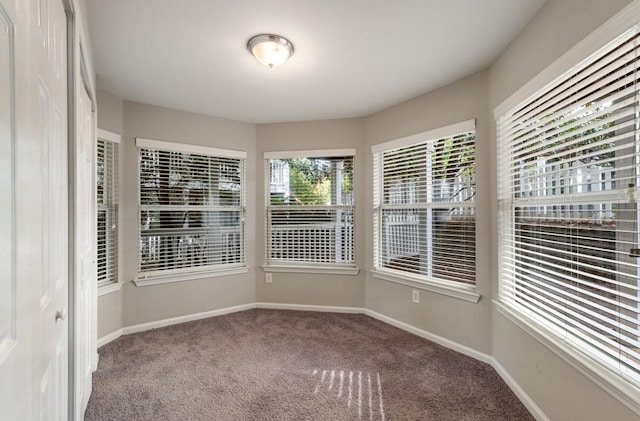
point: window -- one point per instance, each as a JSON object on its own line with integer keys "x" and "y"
{"x": 568, "y": 203}
{"x": 192, "y": 207}
{"x": 424, "y": 207}
{"x": 107, "y": 190}
{"x": 310, "y": 209}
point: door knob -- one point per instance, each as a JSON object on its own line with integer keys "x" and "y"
{"x": 61, "y": 315}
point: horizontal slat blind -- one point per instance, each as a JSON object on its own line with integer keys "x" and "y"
{"x": 568, "y": 204}
{"x": 107, "y": 189}
{"x": 310, "y": 211}
{"x": 191, "y": 214}
{"x": 424, "y": 208}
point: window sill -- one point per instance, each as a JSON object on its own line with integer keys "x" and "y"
{"x": 109, "y": 288}
{"x": 179, "y": 277}
{"x": 311, "y": 269}
{"x": 462, "y": 292}
{"x": 595, "y": 371}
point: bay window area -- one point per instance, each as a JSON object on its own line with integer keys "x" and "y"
{"x": 191, "y": 212}
{"x": 310, "y": 211}
{"x": 107, "y": 208}
{"x": 569, "y": 215}
{"x": 424, "y": 209}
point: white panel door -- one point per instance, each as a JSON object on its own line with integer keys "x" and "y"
{"x": 15, "y": 306}
{"x": 33, "y": 211}
{"x": 86, "y": 277}
{"x": 49, "y": 113}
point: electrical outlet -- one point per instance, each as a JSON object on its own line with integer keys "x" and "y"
{"x": 415, "y": 296}
{"x": 268, "y": 277}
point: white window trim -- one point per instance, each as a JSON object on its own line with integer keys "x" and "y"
{"x": 149, "y": 279}
{"x": 618, "y": 24}
{"x": 328, "y": 268}
{"x": 109, "y": 288}
{"x": 325, "y": 269}
{"x": 110, "y": 136}
{"x": 325, "y": 153}
{"x": 594, "y": 370}
{"x": 449, "y": 288}
{"x": 188, "y": 148}
{"x": 114, "y": 286}
{"x": 623, "y": 391}
{"x": 439, "y": 133}
{"x": 143, "y": 281}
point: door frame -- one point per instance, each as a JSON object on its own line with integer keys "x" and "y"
{"x": 77, "y": 71}
{"x": 71, "y": 137}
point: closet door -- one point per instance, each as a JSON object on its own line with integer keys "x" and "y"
{"x": 33, "y": 210}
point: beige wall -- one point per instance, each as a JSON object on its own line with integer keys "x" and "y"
{"x": 557, "y": 27}
{"x": 560, "y": 390}
{"x": 466, "y": 323}
{"x": 110, "y": 112}
{"x": 157, "y": 302}
{"x": 305, "y": 288}
{"x": 110, "y": 117}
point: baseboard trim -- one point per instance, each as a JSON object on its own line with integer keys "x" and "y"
{"x": 109, "y": 337}
{"x": 188, "y": 318}
{"x": 310, "y": 307}
{"x": 526, "y": 400}
{"x": 219, "y": 312}
{"x": 447, "y": 343}
{"x": 506, "y": 377}
{"x": 519, "y": 391}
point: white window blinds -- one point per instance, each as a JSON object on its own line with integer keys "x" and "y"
{"x": 192, "y": 206}
{"x": 310, "y": 208}
{"x": 107, "y": 189}
{"x": 568, "y": 190}
{"x": 424, "y": 205}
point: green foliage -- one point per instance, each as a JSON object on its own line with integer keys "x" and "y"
{"x": 347, "y": 176}
{"x": 309, "y": 181}
{"x": 570, "y": 134}
{"x": 450, "y": 164}
{"x": 315, "y": 171}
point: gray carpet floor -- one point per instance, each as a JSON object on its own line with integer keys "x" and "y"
{"x": 291, "y": 365}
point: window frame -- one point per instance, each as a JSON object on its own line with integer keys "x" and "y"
{"x": 463, "y": 291}
{"x": 194, "y": 272}
{"x": 307, "y": 267}
{"x": 624, "y": 391}
{"x": 116, "y": 283}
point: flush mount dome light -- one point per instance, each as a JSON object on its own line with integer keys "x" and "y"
{"x": 270, "y": 50}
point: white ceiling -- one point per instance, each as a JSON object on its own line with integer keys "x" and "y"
{"x": 352, "y": 57}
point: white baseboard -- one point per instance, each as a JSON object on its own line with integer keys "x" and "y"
{"x": 519, "y": 392}
{"x": 109, "y": 337}
{"x": 480, "y": 356}
{"x": 309, "y": 307}
{"x": 513, "y": 385}
{"x": 218, "y": 312}
{"x": 526, "y": 400}
{"x": 188, "y": 318}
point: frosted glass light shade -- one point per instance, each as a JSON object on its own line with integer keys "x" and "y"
{"x": 270, "y": 50}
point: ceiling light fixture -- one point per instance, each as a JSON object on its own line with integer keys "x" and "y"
{"x": 270, "y": 50}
